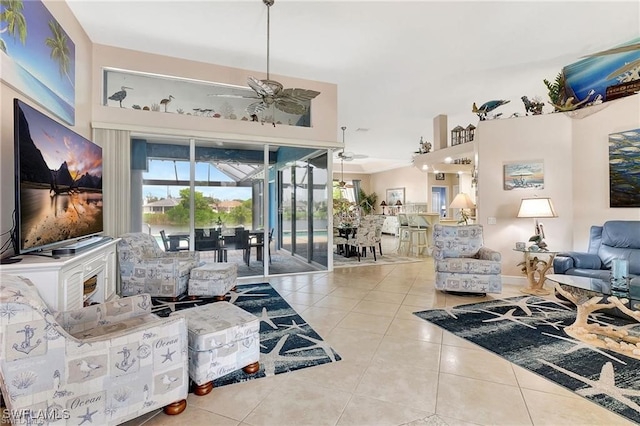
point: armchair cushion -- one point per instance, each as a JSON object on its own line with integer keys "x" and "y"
{"x": 463, "y": 263}
{"x": 117, "y": 374}
{"x": 457, "y": 241}
{"x": 145, "y": 268}
{"x": 573, "y": 259}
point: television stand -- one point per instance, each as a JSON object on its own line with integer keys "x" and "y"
{"x": 65, "y": 282}
{"x": 78, "y": 246}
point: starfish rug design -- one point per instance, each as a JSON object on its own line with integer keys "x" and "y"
{"x": 287, "y": 342}
{"x": 529, "y": 332}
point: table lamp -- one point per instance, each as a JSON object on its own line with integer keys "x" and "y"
{"x": 537, "y": 208}
{"x": 462, "y": 201}
{"x": 383, "y": 204}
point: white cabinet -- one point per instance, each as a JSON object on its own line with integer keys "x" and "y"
{"x": 60, "y": 282}
{"x": 390, "y": 225}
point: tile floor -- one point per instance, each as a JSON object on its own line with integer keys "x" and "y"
{"x": 396, "y": 369}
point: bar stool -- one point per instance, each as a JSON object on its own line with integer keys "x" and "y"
{"x": 419, "y": 240}
{"x": 404, "y": 235}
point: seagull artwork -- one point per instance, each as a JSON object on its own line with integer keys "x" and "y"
{"x": 120, "y": 95}
{"x": 166, "y": 102}
{"x": 88, "y": 368}
{"x": 487, "y": 107}
{"x": 168, "y": 380}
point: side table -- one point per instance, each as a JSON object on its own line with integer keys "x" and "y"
{"x": 536, "y": 269}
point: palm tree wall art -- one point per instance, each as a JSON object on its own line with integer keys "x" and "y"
{"x": 38, "y": 56}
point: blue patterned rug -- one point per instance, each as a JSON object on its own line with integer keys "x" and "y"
{"x": 287, "y": 342}
{"x": 528, "y": 331}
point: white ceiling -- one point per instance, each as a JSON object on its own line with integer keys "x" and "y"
{"x": 397, "y": 64}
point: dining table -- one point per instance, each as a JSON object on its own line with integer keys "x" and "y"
{"x": 175, "y": 238}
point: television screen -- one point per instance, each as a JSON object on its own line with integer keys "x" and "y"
{"x": 58, "y": 182}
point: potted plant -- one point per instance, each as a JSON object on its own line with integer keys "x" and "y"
{"x": 367, "y": 202}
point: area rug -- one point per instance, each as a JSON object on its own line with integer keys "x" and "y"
{"x": 287, "y": 342}
{"x": 528, "y": 331}
{"x": 340, "y": 261}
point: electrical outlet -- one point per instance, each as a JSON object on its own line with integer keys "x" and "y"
{"x": 491, "y": 221}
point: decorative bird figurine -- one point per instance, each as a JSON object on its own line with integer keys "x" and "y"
{"x": 487, "y": 107}
{"x": 533, "y": 106}
{"x": 166, "y": 101}
{"x": 119, "y": 96}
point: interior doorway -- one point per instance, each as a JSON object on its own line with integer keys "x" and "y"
{"x": 439, "y": 200}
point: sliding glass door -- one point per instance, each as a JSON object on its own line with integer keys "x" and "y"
{"x": 195, "y": 188}
{"x": 303, "y": 199}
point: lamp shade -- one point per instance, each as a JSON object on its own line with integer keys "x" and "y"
{"x": 398, "y": 203}
{"x": 462, "y": 201}
{"x": 536, "y": 207}
{"x": 383, "y": 203}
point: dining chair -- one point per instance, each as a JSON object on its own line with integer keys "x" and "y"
{"x": 365, "y": 237}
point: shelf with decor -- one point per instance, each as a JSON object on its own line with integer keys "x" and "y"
{"x": 443, "y": 159}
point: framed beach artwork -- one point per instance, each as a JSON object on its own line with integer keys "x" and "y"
{"x": 395, "y": 194}
{"x": 624, "y": 173}
{"x": 524, "y": 175}
{"x": 38, "y": 57}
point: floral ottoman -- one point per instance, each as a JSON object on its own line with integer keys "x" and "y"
{"x": 212, "y": 280}
{"x": 222, "y": 338}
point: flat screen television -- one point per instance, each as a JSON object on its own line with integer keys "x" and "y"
{"x": 58, "y": 182}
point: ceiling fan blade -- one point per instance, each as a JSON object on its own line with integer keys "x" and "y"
{"x": 235, "y": 96}
{"x": 256, "y": 107}
{"x": 259, "y": 87}
{"x": 265, "y": 87}
{"x": 290, "y": 107}
{"x": 300, "y": 95}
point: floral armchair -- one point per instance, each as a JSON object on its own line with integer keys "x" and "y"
{"x": 462, "y": 263}
{"x": 102, "y": 364}
{"x": 145, "y": 268}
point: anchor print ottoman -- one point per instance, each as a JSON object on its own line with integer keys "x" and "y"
{"x": 213, "y": 279}
{"x": 222, "y": 338}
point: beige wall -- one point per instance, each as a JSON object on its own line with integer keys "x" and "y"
{"x": 411, "y": 179}
{"x": 575, "y": 155}
{"x": 323, "y": 113}
{"x": 67, "y": 20}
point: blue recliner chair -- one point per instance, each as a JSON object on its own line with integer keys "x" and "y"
{"x": 615, "y": 239}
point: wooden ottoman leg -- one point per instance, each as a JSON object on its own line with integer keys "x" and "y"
{"x": 252, "y": 368}
{"x": 175, "y": 407}
{"x": 203, "y": 389}
{"x": 220, "y": 298}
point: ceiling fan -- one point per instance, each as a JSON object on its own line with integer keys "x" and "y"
{"x": 272, "y": 93}
{"x": 347, "y": 155}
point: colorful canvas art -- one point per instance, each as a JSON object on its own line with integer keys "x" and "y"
{"x": 614, "y": 69}
{"x": 624, "y": 172}
{"x": 524, "y": 175}
{"x": 38, "y": 57}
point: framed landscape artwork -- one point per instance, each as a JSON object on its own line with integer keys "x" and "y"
{"x": 38, "y": 57}
{"x": 524, "y": 175}
{"x": 624, "y": 177}
{"x": 395, "y": 194}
